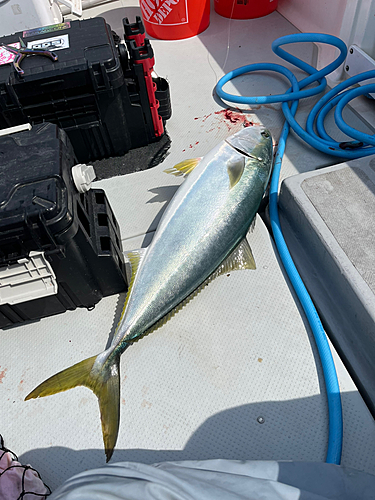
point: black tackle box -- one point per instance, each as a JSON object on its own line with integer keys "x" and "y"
{"x": 59, "y": 248}
{"x": 103, "y": 93}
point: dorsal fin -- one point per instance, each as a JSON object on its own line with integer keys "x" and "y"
{"x": 184, "y": 167}
{"x": 235, "y": 168}
{"x": 240, "y": 258}
{"x": 135, "y": 258}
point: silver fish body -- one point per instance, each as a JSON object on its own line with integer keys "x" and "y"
{"x": 203, "y": 223}
{"x": 202, "y": 229}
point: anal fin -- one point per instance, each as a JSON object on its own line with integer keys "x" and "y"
{"x": 241, "y": 258}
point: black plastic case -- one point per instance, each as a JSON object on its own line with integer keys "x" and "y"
{"x": 42, "y": 211}
{"x": 98, "y": 91}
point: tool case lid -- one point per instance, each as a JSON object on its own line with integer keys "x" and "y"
{"x": 86, "y": 54}
{"x": 35, "y": 183}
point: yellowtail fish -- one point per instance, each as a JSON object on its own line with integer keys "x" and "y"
{"x": 201, "y": 235}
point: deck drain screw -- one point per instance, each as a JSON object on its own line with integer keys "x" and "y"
{"x": 351, "y": 51}
{"x": 347, "y": 68}
{"x": 260, "y": 420}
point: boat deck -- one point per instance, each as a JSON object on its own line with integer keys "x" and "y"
{"x": 236, "y": 373}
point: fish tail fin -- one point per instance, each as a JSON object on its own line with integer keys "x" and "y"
{"x": 103, "y": 378}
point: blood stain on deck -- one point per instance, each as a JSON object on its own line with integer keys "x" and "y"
{"x": 2, "y": 374}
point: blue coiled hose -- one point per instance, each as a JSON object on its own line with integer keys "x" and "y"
{"x": 362, "y": 145}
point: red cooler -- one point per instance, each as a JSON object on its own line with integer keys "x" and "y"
{"x": 245, "y": 9}
{"x": 175, "y": 19}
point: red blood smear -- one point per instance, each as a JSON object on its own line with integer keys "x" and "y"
{"x": 2, "y": 375}
{"x": 234, "y": 117}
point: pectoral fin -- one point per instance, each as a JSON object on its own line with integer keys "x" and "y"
{"x": 235, "y": 168}
{"x": 184, "y": 167}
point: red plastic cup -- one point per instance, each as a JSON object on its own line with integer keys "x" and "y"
{"x": 245, "y": 9}
{"x": 175, "y": 19}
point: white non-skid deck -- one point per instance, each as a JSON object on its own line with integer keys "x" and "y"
{"x": 239, "y": 354}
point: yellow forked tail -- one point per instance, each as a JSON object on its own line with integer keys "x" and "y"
{"x": 103, "y": 380}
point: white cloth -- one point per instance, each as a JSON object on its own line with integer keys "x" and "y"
{"x": 219, "y": 480}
